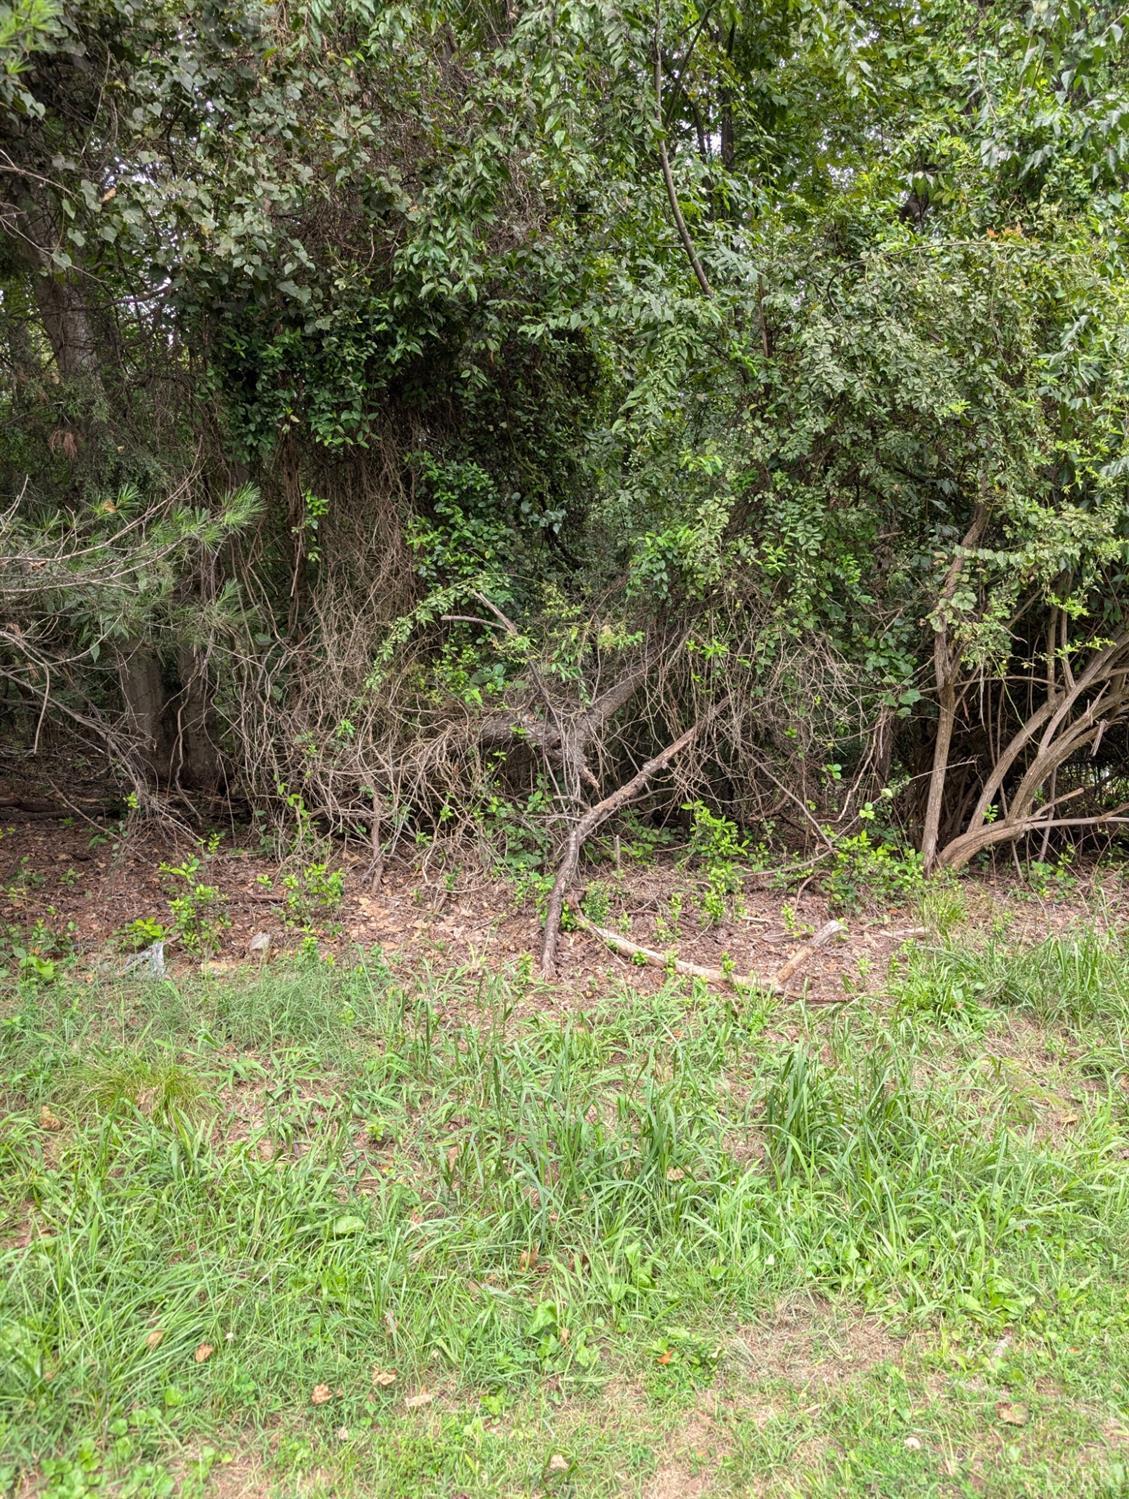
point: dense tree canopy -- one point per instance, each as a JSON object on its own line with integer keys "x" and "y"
{"x": 435, "y": 408}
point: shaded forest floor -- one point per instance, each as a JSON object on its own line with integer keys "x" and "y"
{"x": 384, "y": 1215}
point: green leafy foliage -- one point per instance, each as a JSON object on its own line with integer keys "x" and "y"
{"x": 197, "y": 910}
{"x": 721, "y": 852}
{"x": 311, "y": 897}
{"x": 870, "y": 871}
{"x": 383, "y": 383}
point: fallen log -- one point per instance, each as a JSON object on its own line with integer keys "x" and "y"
{"x": 776, "y": 984}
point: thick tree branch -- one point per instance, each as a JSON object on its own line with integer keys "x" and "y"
{"x": 945, "y": 665}
{"x": 588, "y": 825}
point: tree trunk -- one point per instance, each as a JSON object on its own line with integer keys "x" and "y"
{"x": 942, "y": 745}
{"x": 66, "y": 321}
{"x": 59, "y": 293}
{"x": 946, "y": 664}
{"x": 195, "y": 758}
{"x": 143, "y": 694}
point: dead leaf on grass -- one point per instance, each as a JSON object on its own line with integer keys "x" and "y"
{"x": 155, "y": 1337}
{"x": 204, "y": 1353}
{"x": 384, "y": 1377}
{"x": 1011, "y": 1413}
{"x": 322, "y": 1393}
{"x": 413, "y": 1402}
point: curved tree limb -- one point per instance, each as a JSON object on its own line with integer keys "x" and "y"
{"x": 958, "y": 853}
{"x": 1061, "y": 727}
{"x": 567, "y": 740}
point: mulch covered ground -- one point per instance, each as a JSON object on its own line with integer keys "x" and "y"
{"x": 88, "y": 877}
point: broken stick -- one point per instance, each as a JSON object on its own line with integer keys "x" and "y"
{"x": 647, "y": 955}
{"x": 804, "y": 954}
{"x": 587, "y": 825}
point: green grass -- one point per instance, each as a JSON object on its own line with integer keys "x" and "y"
{"x": 668, "y": 1240}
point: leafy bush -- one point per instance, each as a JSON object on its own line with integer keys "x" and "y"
{"x": 526, "y": 422}
{"x": 40, "y": 954}
{"x": 311, "y": 897}
{"x": 197, "y": 911}
{"x": 596, "y": 903}
{"x": 720, "y": 851}
{"x": 142, "y": 931}
{"x": 865, "y": 872}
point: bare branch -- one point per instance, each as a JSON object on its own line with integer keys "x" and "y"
{"x": 669, "y": 963}
{"x": 588, "y": 825}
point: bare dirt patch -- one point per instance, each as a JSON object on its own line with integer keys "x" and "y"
{"x": 808, "y": 1344}
{"x": 87, "y": 881}
{"x": 241, "y": 1478}
{"x": 696, "y": 1451}
{"x": 674, "y": 1481}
